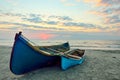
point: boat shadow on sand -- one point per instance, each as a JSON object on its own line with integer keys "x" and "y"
{"x": 54, "y": 73}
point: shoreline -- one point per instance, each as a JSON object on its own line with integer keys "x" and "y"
{"x": 95, "y": 49}
{"x": 98, "y": 65}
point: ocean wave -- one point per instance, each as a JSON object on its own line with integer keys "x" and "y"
{"x": 85, "y": 44}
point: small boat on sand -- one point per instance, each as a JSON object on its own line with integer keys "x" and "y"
{"x": 26, "y": 57}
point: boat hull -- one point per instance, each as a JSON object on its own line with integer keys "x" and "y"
{"x": 69, "y": 62}
{"x": 25, "y": 59}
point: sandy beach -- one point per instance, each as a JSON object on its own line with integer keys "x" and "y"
{"x": 98, "y": 65}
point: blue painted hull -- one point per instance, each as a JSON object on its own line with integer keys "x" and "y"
{"x": 69, "y": 62}
{"x": 25, "y": 59}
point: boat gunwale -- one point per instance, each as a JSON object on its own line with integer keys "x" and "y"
{"x": 18, "y": 36}
{"x": 27, "y": 42}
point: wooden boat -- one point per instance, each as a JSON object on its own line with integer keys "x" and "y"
{"x": 72, "y": 58}
{"x": 26, "y": 57}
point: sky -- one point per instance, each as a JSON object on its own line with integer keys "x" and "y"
{"x": 60, "y": 19}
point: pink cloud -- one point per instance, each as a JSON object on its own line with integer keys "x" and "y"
{"x": 46, "y": 36}
{"x": 42, "y": 35}
{"x": 98, "y": 13}
{"x": 108, "y": 10}
{"x": 103, "y": 2}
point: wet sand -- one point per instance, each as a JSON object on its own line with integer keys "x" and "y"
{"x": 98, "y": 65}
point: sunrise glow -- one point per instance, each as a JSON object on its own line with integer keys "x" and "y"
{"x": 45, "y": 36}
{"x": 53, "y": 18}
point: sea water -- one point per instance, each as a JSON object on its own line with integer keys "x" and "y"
{"x": 81, "y": 44}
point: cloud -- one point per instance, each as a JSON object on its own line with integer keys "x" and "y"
{"x": 34, "y": 19}
{"x": 46, "y": 36}
{"x": 110, "y": 2}
{"x": 85, "y": 25}
{"x": 52, "y": 22}
{"x": 108, "y": 10}
{"x": 113, "y": 19}
{"x": 18, "y": 25}
{"x": 35, "y": 15}
{"x": 28, "y": 26}
{"x": 13, "y": 14}
{"x": 31, "y": 21}
{"x": 102, "y": 3}
{"x": 66, "y": 18}
{"x": 67, "y": 26}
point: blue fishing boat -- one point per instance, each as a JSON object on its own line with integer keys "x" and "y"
{"x": 26, "y": 56}
{"x": 72, "y": 58}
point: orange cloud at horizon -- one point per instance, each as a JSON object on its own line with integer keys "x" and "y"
{"x": 97, "y": 2}
{"x": 43, "y": 36}
{"x": 92, "y": 1}
{"x": 46, "y": 36}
